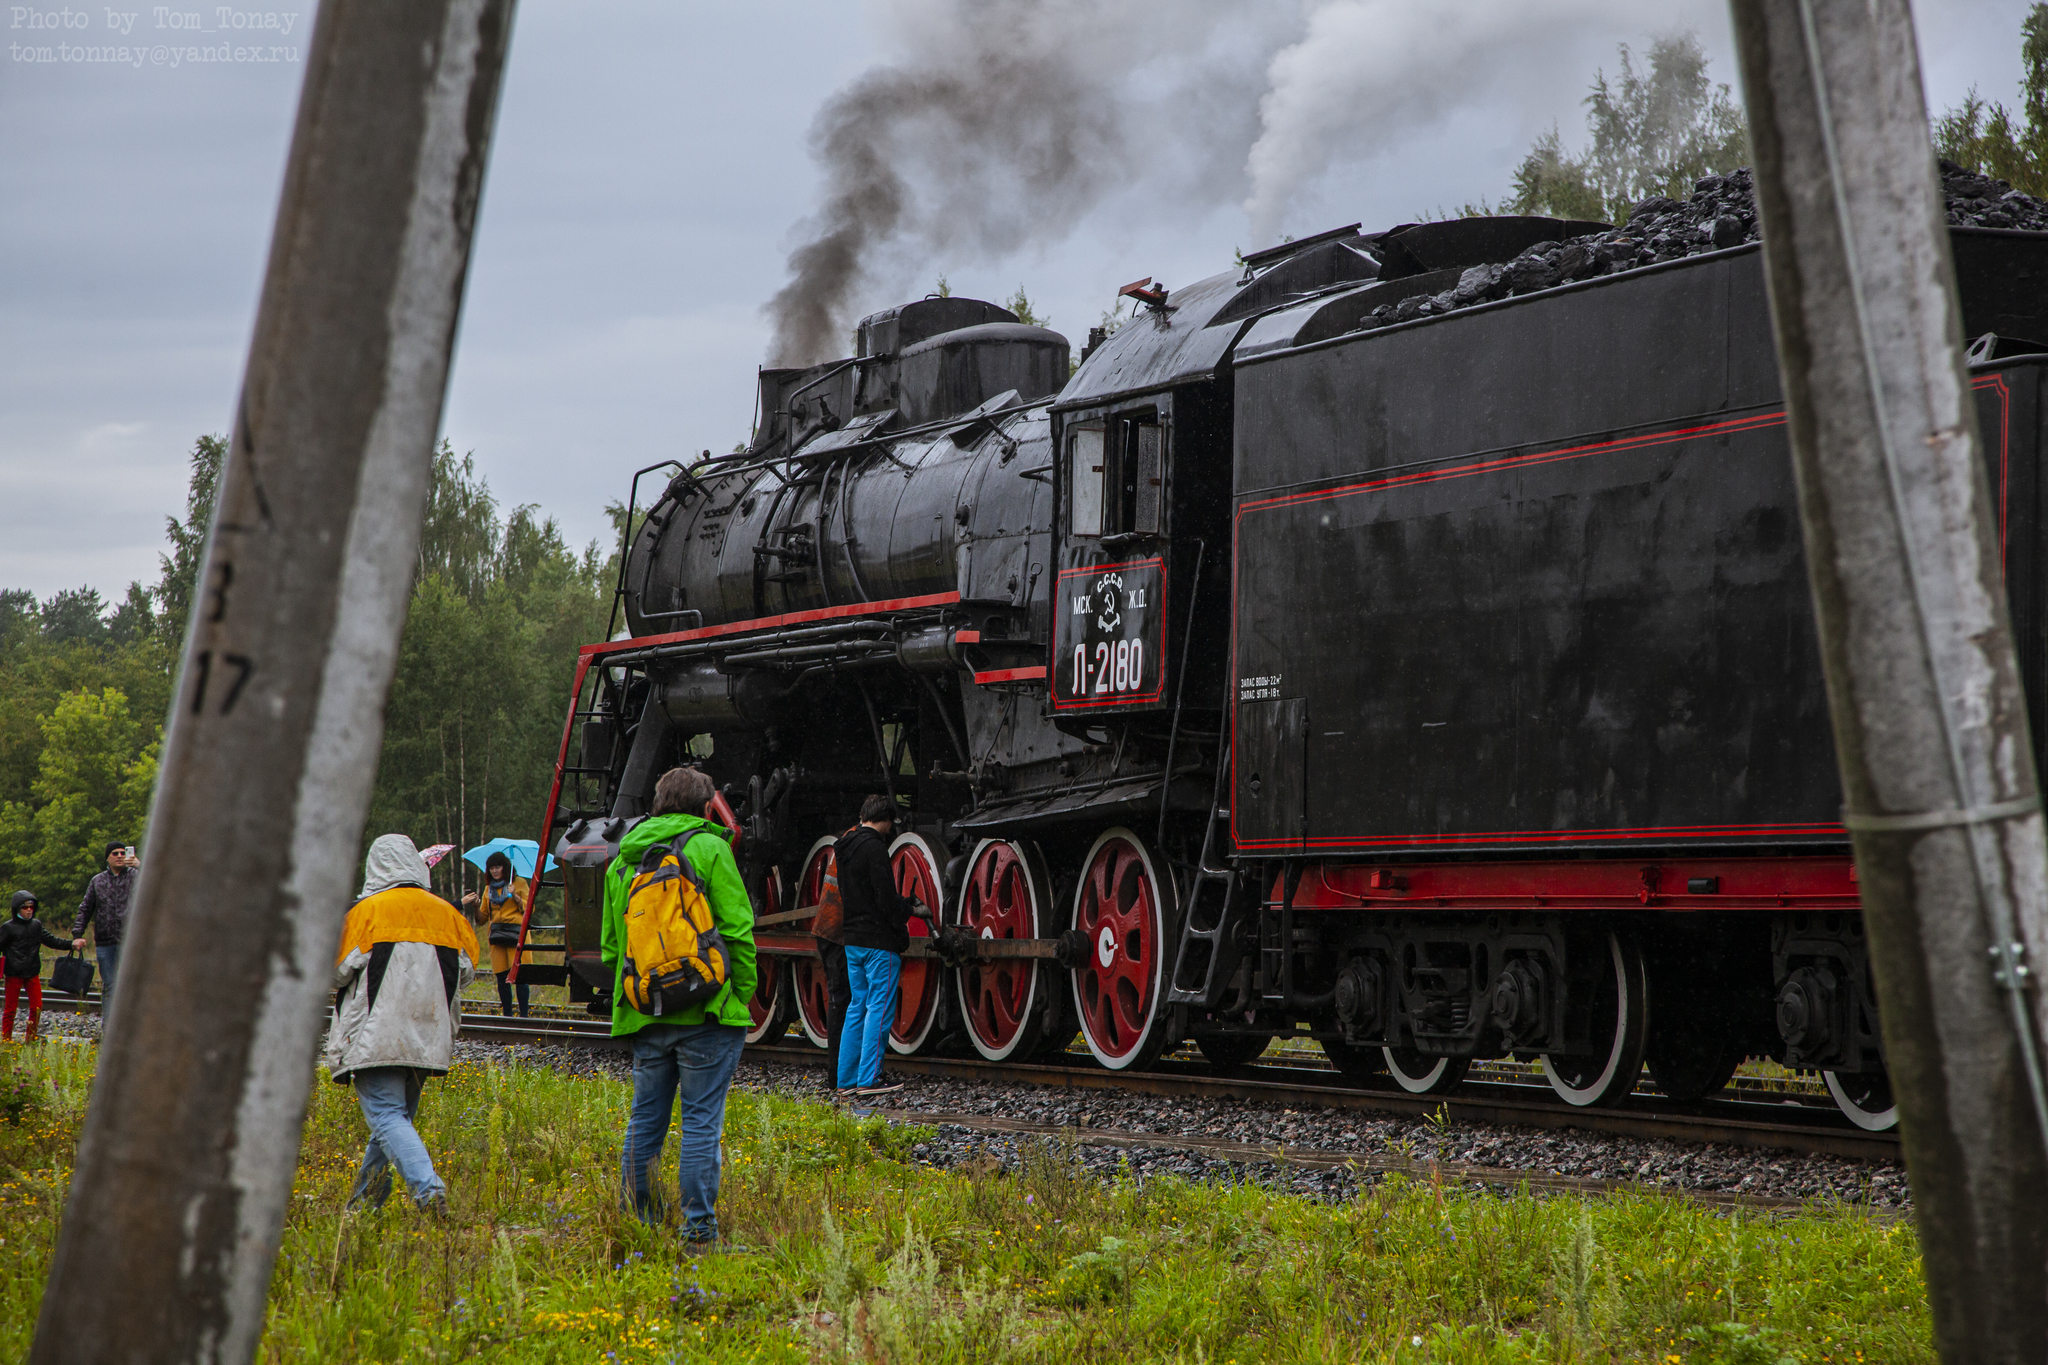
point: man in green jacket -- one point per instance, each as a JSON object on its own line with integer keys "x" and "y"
{"x": 695, "y": 1050}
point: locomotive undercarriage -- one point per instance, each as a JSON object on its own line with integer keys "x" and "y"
{"x": 1496, "y": 969}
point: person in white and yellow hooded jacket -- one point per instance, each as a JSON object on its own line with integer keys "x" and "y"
{"x": 405, "y": 955}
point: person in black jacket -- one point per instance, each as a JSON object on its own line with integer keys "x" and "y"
{"x": 21, "y": 945}
{"x": 875, "y": 936}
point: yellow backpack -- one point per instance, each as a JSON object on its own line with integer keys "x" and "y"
{"x": 675, "y": 956}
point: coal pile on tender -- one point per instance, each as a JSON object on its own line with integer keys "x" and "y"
{"x": 1720, "y": 213}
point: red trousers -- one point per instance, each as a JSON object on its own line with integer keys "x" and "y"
{"x": 15, "y": 986}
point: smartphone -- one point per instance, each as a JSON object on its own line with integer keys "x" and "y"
{"x": 129, "y": 851}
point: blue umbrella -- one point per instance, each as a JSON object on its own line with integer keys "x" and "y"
{"x": 521, "y": 852}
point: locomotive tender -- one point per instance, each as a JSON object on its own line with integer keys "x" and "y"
{"x": 1441, "y": 690}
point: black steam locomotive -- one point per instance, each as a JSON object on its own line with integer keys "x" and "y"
{"x": 1437, "y": 682}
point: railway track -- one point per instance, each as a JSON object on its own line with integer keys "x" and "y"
{"x": 1791, "y": 1119}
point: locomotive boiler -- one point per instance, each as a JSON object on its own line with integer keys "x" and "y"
{"x": 1345, "y": 648}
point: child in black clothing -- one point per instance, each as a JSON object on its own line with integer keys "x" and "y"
{"x": 21, "y": 944}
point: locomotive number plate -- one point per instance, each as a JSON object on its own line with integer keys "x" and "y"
{"x": 1110, "y": 645}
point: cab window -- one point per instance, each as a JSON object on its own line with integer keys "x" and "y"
{"x": 1085, "y": 449}
{"x": 1116, "y": 476}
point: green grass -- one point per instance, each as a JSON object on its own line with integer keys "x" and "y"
{"x": 864, "y": 1255}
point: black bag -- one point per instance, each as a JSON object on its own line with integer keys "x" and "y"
{"x": 72, "y": 974}
{"x": 505, "y": 935}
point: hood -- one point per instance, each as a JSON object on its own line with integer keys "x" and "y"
{"x": 393, "y": 861}
{"x": 847, "y": 839}
{"x": 22, "y": 898}
{"x": 659, "y": 829}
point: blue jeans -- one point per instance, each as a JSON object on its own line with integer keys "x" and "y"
{"x": 109, "y": 955}
{"x": 390, "y": 1096}
{"x": 696, "y": 1060}
{"x": 872, "y": 973}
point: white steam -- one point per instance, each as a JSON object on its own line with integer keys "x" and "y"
{"x": 1366, "y": 71}
{"x": 1001, "y": 124}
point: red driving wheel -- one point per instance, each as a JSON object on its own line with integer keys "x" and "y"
{"x": 916, "y": 864}
{"x": 769, "y": 1009}
{"x": 1122, "y": 907}
{"x": 808, "y": 982}
{"x": 1003, "y": 1002}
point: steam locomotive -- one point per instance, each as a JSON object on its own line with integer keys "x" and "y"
{"x": 1440, "y": 689}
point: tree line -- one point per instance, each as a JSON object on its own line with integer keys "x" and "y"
{"x": 500, "y": 603}
{"x": 1661, "y": 124}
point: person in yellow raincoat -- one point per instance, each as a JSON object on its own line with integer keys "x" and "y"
{"x": 499, "y": 911}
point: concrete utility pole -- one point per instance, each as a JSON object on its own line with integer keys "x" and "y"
{"x": 1903, "y": 549}
{"x": 185, "y": 1168}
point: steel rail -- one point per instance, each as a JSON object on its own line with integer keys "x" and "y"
{"x": 1786, "y": 1124}
{"x": 1735, "y": 1123}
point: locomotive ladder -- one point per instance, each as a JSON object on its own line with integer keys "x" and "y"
{"x": 1210, "y": 916}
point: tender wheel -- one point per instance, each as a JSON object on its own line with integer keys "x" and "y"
{"x": 770, "y": 1008}
{"x": 1418, "y": 1073}
{"x": 809, "y": 986}
{"x": 1120, "y": 996}
{"x": 1620, "y": 1019}
{"x": 1004, "y": 1003}
{"x": 1230, "y": 1052}
{"x": 1695, "y": 1042}
{"x": 1866, "y": 1097}
{"x": 916, "y": 864}
{"x": 1352, "y": 1062}
{"x": 1688, "y": 1074}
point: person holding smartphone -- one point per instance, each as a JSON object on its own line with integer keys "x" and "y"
{"x": 105, "y": 908}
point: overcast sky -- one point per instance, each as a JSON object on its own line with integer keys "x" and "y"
{"x": 649, "y": 176}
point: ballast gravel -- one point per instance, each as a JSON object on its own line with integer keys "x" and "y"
{"x": 1383, "y": 1144}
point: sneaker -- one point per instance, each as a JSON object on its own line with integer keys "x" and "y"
{"x": 884, "y": 1086}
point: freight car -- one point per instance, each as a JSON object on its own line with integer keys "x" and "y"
{"x": 1402, "y": 641}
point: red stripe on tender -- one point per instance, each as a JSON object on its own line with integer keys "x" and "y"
{"x": 1499, "y": 462}
{"x": 1395, "y": 842}
{"x": 1035, "y": 673}
{"x": 793, "y": 618}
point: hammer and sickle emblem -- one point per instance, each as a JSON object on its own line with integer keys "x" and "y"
{"x": 1108, "y": 590}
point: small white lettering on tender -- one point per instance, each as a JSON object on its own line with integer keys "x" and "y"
{"x": 1263, "y": 688}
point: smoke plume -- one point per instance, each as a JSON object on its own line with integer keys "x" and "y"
{"x": 1003, "y": 123}
{"x": 1368, "y": 70}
